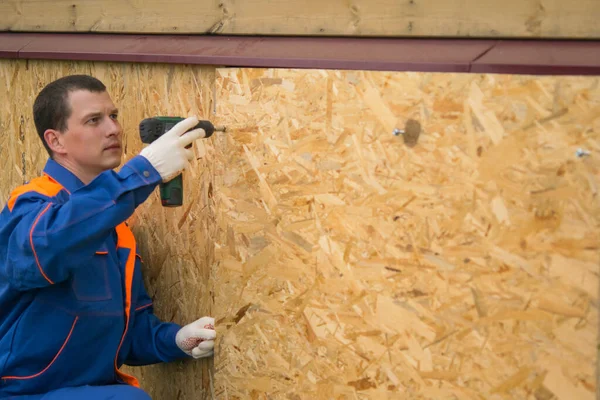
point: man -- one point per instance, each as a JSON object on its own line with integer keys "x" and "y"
{"x": 73, "y": 307}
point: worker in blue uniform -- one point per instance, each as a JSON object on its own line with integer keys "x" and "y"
{"x": 73, "y": 307}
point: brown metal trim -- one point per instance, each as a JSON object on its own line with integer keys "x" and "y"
{"x": 541, "y": 57}
{"x": 10, "y": 44}
{"x": 538, "y": 57}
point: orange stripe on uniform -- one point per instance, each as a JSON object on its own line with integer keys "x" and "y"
{"x": 144, "y": 306}
{"x": 44, "y": 185}
{"x": 126, "y": 240}
{"x": 37, "y": 261}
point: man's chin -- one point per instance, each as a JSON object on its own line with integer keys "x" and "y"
{"x": 113, "y": 163}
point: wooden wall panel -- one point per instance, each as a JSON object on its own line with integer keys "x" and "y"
{"x": 354, "y": 266}
{"x": 174, "y": 243}
{"x": 448, "y": 18}
{"x": 345, "y": 264}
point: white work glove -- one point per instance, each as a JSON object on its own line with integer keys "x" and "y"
{"x": 198, "y": 338}
{"x": 168, "y": 154}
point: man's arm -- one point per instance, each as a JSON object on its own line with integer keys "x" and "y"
{"x": 152, "y": 341}
{"x": 42, "y": 241}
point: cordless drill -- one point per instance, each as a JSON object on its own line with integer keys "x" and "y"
{"x": 171, "y": 193}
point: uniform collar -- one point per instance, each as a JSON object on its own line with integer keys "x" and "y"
{"x": 63, "y": 176}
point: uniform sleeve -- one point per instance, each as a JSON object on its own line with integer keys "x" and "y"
{"x": 43, "y": 241}
{"x": 152, "y": 341}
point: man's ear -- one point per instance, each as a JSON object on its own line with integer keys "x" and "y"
{"x": 54, "y": 140}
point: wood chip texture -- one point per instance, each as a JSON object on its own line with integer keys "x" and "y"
{"x": 341, "y": 263}
{"x": 353, "y": 266}
{"x": 173, "y": 243}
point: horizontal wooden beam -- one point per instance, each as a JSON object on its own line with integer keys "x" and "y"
{"x": 413, "y": 18}
{"x": 481, "y": 56}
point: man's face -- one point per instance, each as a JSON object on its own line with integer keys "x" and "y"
{"x": 92, "y": 140}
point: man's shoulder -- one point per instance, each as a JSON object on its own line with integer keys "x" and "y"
{"x": 41, "y": 186}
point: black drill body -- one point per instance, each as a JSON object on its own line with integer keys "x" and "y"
{"x": 171, "y": 193}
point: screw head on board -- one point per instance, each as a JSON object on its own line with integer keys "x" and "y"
{"x": 411, "y": 132}
{"x": 582, "y": 153}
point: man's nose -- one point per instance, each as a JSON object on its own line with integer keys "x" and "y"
{"x": 114, "y": 127}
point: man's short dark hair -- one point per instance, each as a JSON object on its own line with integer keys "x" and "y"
{"x": 51, "y": 108}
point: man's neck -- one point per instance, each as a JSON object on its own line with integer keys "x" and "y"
{"x": 81, "y": 173}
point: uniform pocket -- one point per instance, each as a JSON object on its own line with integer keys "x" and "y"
{"x": 41, "y": 350}
{"x": 90, "y": 282}
{"x": 57, "y": 353}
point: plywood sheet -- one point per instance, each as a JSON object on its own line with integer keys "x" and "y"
{"x": 341, "y": 263}
{"x": 174, "y": 243}
{"x": 352, "y": 266}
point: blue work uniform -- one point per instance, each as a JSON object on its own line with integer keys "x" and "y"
{"x": 73, "y": 307}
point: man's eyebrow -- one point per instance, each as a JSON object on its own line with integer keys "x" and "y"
{"x": 91, "y": 114}
{"x": 98, "y": 114}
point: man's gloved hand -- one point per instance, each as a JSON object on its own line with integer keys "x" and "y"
{"x": 198, "y": 338}
{"x": 168, "y": 154}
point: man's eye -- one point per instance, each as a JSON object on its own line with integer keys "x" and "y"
{"x": 93, "y": 120}
{"x": 114, "y": 116}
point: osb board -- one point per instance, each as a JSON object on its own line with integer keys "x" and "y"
{"x": 173, "y": 242}
{"x": 352, "y": 266}
{"x": 463, "y": 18}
